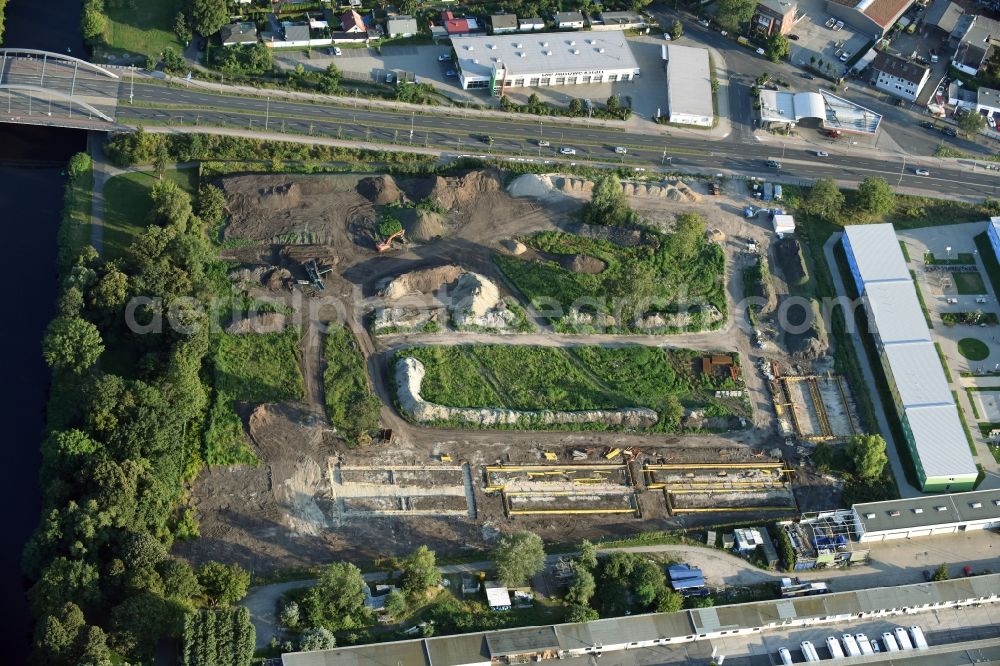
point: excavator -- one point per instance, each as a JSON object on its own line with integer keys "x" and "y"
{"x": 383, "y": 246}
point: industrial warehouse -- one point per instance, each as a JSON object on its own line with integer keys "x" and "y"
{"x": 923, "y": 400}
{"x": 689, "y": 85}
{"x": 684, "y": 631}
{"x": 927, "y": 516}
{"x": 499, "y": 62}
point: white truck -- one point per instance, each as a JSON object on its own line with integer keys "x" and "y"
{"x": 809, "y": 651}
{"x": 864, "y": 644}
{"x": 833, "y": 645}
{"x": 851, "y": 646}
{"x": 903, "y": 638}
{"x": 890, "y": 642}
{"x": 918, "y": 638}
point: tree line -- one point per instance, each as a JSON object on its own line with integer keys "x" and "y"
{"x": 120, "y": 446}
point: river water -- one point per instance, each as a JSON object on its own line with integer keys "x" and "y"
{"x": 31, "y": 189}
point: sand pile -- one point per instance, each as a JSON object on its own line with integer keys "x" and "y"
{"x": 530, "y": 185}
{"x": 423, "y": 281}
{"x": 458, "y": 192}
{"x": 278, "y": 279}
{"x": 380, "y": 190}
{"x": 409, "y": 377}
{"x": 267, "y": 322}
{"x": 515, "y": 247}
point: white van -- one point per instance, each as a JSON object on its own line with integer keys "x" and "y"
{"x": 890, "y": 642}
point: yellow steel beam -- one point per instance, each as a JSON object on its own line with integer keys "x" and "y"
{"x": 682, "y": 491}
{"x": 535, "y": 468}
{"x": 566, "y": 493}
{"x": 732, "y": 508}
{"x": 735, "y": 465}
{"x": 529, "y": 512}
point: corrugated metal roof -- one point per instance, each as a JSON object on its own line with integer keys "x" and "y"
{"x": 917, "y": 372}
{"x": 940, "y": 441}
{"x": 522, "y": 641}
{"x": 453, "y": 650}
{"x": 876, "y": 252}
{"x": 400, "y": 653}
{"x": 897, "y": 312}
{"x": 962, "y": 507}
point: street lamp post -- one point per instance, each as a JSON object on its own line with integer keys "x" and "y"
{"x": 267, "y": 113}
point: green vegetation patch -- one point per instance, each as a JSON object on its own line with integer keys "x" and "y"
{"x": 970, "y": 283}
{"x": 975, "y": 318}
{"x": 973, "y": 349}
{"x": 963, "y": 259}
{"x": 145, "y": 27}
{"x": 577, "y": 378}
{"x": 352, "y": 407}
{"x": 127, "y": 204}
{"x": 662, "y": 270}
{"x": 923, "y": 305}
{"x": 250, "y": 368}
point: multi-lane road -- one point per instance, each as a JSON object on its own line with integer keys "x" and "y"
{"x": 739, "y": 153}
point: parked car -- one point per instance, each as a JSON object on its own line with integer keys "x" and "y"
{"x": 822, "y": 153}
{"x": 926, "y": 124}
{"x": 794, "y": 38}
{"x": 844, "y": 57}
{"x": 621, "y": 150}
{"x": 703, "y": 23}
{"x": 950, "y": 131}
{"x": 666, "y": 36}
{"x": 807, "y": 76}
{"x": 337, "y": 51}
{"x": 543, "y": 144}
{"x": 922, "y": 172}
{"x": 444, "y": 57}
{"x": 900, "y": 101}
{"x": 568, "y": 151}
{"x": 451, "y": 72}
{"x": 760, "y": 51}
{"x": 839, "y": 25}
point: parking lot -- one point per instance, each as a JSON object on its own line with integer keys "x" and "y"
{"x": 819, "y": 45}
{"x": 648, "y": 93}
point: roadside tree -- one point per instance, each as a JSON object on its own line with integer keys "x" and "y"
{"x": 583, "y": 586}
{"x": 825, "y": 200}
{"x": 676, "y": 30}
{"x": 875, "y": 196}
{"x": 733, "y": 14}
{"x": 587, "y": 556}
{"x": 972, "y": 124}
{"x": 778, "y": 47}
{"x": 941, "y": 573}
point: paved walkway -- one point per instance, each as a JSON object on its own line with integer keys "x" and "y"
{"x": 905, "y": 489}
{"x": 103, "y": 172}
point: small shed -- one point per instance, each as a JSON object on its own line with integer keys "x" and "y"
{"x": 747, "y": 539}
{"x": 497, "y": 596}
{"x": 783, "y": 224}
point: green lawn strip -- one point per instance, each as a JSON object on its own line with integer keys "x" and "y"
{"x": 351, "y": 405}
{"x": 965, "y": 424}
{"x": 995, "y": 450}
{"x": 979, "y": 477}
{"x": 969, "y": 284}
{"x": 973, "y": 349}
{"x": 975, "y": 410}
{"x": 252, "y": 368}
{"x": 944, "y": 361}
{"x": 145, "y": 27}
{"x": 990, "y": 263}
{"x": 905, "y": 251}
{"x": 962, "y": 259}
{"x": 920, "y": 297}
{"x": 127, "y": 204}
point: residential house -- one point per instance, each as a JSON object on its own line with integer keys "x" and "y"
{"x": 236, "y": 34}
{"x": 351, "y": 22}
{"x": 457, "y": 26}
{"x": 530, "y": 24}
{"x": 619, "y": 21}
{"x": 295, "y": 34}
{"x": 774, "y": 17}
{"x": 979, "y": 37}
{"x": 572, "y": 20}
{"x": 402, "y": 26}
{"x": 503, "y": 23}
{"x": 897, "y": 76}
{"x": 988, "y": 101}
{"x": 318, "y": 23}
{"x": 961, "y": 97}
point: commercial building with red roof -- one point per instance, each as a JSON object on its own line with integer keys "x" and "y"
{"x": 871, "y": 17}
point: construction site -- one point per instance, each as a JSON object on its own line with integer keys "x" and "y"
{"x": 825, "y": 539}
{"x": 367, "y": 492}
{"x": 562, "y": 489}
{"x": 745, "y": 481}
{"x": 814, "y": 408}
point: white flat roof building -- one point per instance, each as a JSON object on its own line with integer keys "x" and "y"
{"x": 876, "y": 253}
{"x": 917, "y": 375}
{"x": 943, "y": 451}
{"x": 897, "y": 312}
{"x": 498, "y": 62}
{"x": 689, "y": 86}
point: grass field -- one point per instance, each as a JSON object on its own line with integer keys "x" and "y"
{"x": 145, "y": 27}
{"x": 352, "y": 407}
{"x": 698, "y": 280}
{"x": 577, "y": 378}
{"x": 251, "y": 368}
{"x": 969, "y": 284}
{"x": 126, "y": 205}
{"x": 973, "y": 349}
{"x": 74, "y": 233}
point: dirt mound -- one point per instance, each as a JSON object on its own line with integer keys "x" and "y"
{"x": 268, "y": 322}
{"x": 420, "y": 282}
{"x": 279, "y": 197}
{"x": 582, "y": 263}
{"x": 278, "y": 279}
{"x": 474, "y": 295}
{"x": 424, "y": 225}
{"x": 790, "y": 261}
{"x": 530, "y": 185}
{"x": 381, "y": 190}
{"x": 457, "y": 192}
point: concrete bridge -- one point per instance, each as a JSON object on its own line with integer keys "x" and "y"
{"x": 43, "y": 88}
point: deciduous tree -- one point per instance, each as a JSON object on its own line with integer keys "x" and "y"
{"x": 72, "y": 344}
{"x": 867, "y": 453}
{"x": 208, "y": 16}
{"x": 583, "y": 586}
{"x": 825, "y": 200}
{"x": 420, "y": 572}
{"x": 733, "y": 14}
{"x": 518, "y": 557}
{"x": 875, "y": 196}
{"x": 223, "y": 584}
{"x": 337, "y": 601}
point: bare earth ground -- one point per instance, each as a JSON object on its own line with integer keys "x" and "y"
{"x": 288, "y": 511}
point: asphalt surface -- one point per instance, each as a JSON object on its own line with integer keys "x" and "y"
{"x": 180, "y": 106}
